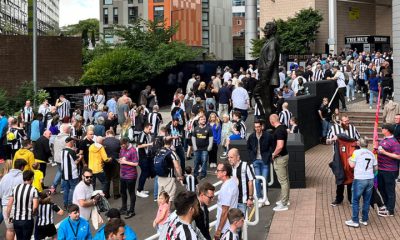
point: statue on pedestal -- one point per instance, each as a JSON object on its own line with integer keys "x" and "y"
{"x": 268, "y": 70}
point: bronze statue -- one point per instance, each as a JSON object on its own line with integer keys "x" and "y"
{"x": 268, "y": 69}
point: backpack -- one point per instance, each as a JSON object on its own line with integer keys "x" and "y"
{"x": 160, "y": 162}
{"x": 11, "y": 138}
{"x": 178, "y": 116}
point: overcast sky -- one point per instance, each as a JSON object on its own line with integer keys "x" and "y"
{"x": 71, "y": 11}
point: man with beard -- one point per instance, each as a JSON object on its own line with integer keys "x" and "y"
{"x": 344, "y": 128}
{"x": 83, "y": 194}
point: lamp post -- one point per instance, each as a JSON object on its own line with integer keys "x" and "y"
{"x": 34, "y": 49}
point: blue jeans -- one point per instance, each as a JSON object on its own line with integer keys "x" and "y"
{"x": 350, "y": 89}
{"x": 68, "y": 187}
{"x": 155, "y": 194}
{"x": 361, "y": 187}
{"x": 200, "y": 157}
{"x": 1, "y": 214}
{"x": 57, "y": 178}
{"x": 372, "y": 95}
{"x": 104, "y": 182}
{"x": 260, "y": 169}
{"x": 181, "y": 154}
{"x": 325, "y": 127}
{"x": 387, "y": 188}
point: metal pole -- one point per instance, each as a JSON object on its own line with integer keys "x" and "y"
{"x": 332, "y": 40}
{"x": 34, "y": 48}
{"x": 251, "y": 26}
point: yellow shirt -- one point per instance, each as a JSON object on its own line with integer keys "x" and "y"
{"x": 97, "y": 155}
{"x": 37, "y": 180}
{"x": 27, "y": 155}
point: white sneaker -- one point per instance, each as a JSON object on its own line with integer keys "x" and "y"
{"x": 145, "y": 192}
{"x": 54, "y": 164}
{"x": 280, "y": 203}
{"x": 280, "y": 208}
{"x": 350, "y": 223}
{"x": 363, "y": 95}
{"x": 348, "y": 99}
{"x": 260, "y": 204}
{"x": 363, "y": 223}
{"x": 370, "y": 107}
{"x": 141, "y": 194}
{"x": 353, "y": 98}
{"x": 267, "y": 203}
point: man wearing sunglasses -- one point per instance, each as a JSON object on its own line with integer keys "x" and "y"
{"x": 205, "y": 197}
{"x": 83, "y": 194}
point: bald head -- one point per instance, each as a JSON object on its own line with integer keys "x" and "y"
{"x": 274, "y": 120}
{"x": 47, "y": 134}
{"x": 233, "y": 156}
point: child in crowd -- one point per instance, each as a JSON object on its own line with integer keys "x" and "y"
{"x": 293, "y": 125}
{"x": 38, "y": 177}
{"x": 190, "y": 181}
{"x": 236, "y": 135}
{"x": 236, "y": 219}
{"x": 336, "y": 116}
{"x": 45, "y": 219}
{"x": 163, "y": 210}
{"x": 226, "y": 132}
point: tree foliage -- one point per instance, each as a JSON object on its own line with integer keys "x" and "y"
{"x": 77, "y": 29}
{"x": 295, "y": 34}
{"x": 140, "y": 56}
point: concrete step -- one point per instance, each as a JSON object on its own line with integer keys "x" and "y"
{"x": 369, "y": 128}
{"x": 370, "y": 123}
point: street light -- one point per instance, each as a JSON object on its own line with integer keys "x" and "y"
{"x": 34, "y": 48}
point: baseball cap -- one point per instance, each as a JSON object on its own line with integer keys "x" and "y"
{"x": 388, "y": 127}
{"x": 113, "y": 213}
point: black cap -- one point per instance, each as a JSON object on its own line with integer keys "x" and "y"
{"x": 388, "y": 127}
{"x": 113, "y": 213}
{"x": 69, "y": 139}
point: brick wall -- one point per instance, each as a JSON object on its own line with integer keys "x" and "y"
{"x": 58, "y": 58}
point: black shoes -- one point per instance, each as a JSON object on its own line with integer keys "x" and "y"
{"x": 335, "y": 203}
{"x": 130, "y": 214}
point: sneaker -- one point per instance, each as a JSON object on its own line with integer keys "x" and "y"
{"x": 348, "y": 99}
{"x": 353, "y": 98}
{"x": 335, "y": 203}
{"x": 223, "y": 156}
{"x": 350, "y": 223}
{"x": 54, "y": 164}
{"x": 145, "y": 192}
{"x": 280, "y": 203}
{"x": 260, "y": 204}
{"x": 155, "y": 200}
{"x": 370, "y": 107}
{"x": 280, "y": 208}
{"x": 363, "y": 95}
{"x": 385, "y": 213}
{"x": 365, "y": 223}
{"x": 141, "y": 194}
{"x": 129, "y": 215}
{"x": 267, "y": 203}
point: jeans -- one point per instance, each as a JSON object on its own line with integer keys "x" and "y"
{"x": 181, "y": 154}
{"x": 350, "y": 89}
{"x": 104, "y": 182}
{"x": 200, "y": 158}
{"x": 57, "y": 178}
{"x": 326, "y": 125}
{"x": 372, "y": 95}
{"x": 260, "y": 169}
{"x": 155, "y": 194}
{"x": 361, "y": 187}
{"x": 144, "y": 174}
{"x": 387, "y": 188}
{"x": 1, "y": 214}
{"x": 68, "y": 187}
{"x": 222, "y": 110}
{"x": 87, "y": 115}
{"x": 23, "y": 228}
{"x": 128, "y": 185}
{"x": 282, "y": 172}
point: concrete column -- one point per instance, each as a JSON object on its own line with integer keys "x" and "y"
{"x": 332, "y": 40}
{"x": 251, "y": 25}
{"x": 396, "y": 47}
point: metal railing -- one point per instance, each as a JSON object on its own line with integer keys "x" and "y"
{"x": 255, "y": 210}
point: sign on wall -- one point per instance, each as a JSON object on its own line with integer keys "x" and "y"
{"x": 354, "y": 13}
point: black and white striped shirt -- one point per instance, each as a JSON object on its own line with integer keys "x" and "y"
{"x": 19, "y": 135}
{"x": 173, "y": 132}
{"x": 318, "y": 75}
{"x": 229, "y": 235}
{"x": 63, "y": 109}
{"x": 88, "y": 103}
{"x": 378, "y": 62}
{"x": 46, "y": 214}
{"x": 155, "y": 119}
{"x": 178, "y": 230}
{"x": 190, "y": 182}
{"x": 69, "y": 168}
{"x": 173, "y": 157}
{"x": 28, "y": 114}
{"x": 24, "y": 194}
{"x": 243, "y": 173}
{"x": 337, "y": 129}
{"x": 361, "y": 70}
{"x": 241, "y": 126}
{"x": 284, "y": 117}
{"x": 144, "y": 138}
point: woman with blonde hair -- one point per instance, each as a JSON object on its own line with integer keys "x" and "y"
{"x": 201, "y": 91}
{"x": 127, "y": 130}
{"x": 215, "y": 125}
{"x": 100, "y": 99}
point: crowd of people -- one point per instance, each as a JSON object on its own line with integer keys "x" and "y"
{"x": 109, "y": 139}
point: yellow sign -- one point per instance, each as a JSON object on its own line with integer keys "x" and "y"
{"x": 354, "y": 13}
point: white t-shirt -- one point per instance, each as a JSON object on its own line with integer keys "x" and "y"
{"x": 228, "y": 196}
{"x": 227, "y": 76}
{"x": 364, "y": 160}
{"x": 340, "y": 79}
{"x": 84, "y": 192}
{"x": 240, "y": 98}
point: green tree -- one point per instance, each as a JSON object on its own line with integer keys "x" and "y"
{"x": 77, "y": 29}
{"x": 295, "y": 34}
{"x": 25, "y": 92}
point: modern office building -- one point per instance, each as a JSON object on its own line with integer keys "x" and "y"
{"x": 205, "y": 24}
{"x": 344, "y": 22}
{"x": 16, "y": 16}
{"x": 120, "y": 12}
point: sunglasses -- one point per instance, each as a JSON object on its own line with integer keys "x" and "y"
{"x": 88, "y": 177}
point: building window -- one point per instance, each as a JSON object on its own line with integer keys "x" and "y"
{"x": 130, "y": 1}
{"x": 115, "y": 15}
{"x": 204, "y": 19}
{"x": 105, "y": 16}
{"x": 132, "y": 14}
{"x": 159, "y": 13}
{"x": 158, "y": 1}
{"x": 204, "y": 4}
{"x": 140, "y": 1}
{"x": 205, "y": 37}
{"x": 108, "y": 2}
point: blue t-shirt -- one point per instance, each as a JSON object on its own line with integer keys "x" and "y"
{"x": 68, "y": 229}
{"x": 235, "y": 137}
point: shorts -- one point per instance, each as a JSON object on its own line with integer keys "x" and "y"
{"x": 46, "y": 231}
{"x": 167, "y": 184}
{"x": 6, "y": 217}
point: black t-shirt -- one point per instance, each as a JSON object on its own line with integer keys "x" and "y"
{"x": 112, "y": 147}
{"x": 280, "y": 133}
{"x": 202, "y": 135}
{"x": 325, "y": 111}
{"x": 84, "y": 146}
